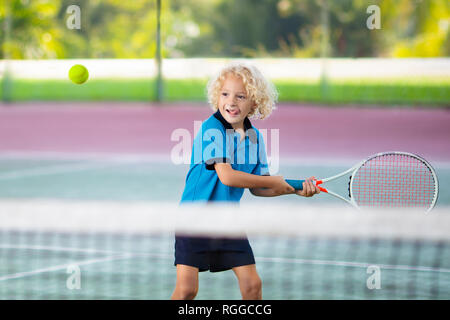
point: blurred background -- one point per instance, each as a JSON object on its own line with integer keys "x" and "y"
{"x": 129, "y": 46}
{"x": 355, "y": 77}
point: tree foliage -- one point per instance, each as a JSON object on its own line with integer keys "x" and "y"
{"x": 216, "y": 28}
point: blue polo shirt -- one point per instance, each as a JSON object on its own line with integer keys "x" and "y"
{"x": 217, "y": 142}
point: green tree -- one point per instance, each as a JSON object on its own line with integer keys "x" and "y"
{"x": 32, "y": 27}
{"x": 235, "y": 28}
{"x": 240, "y": 28}
{"x": 417, "y": 28}
{"x": 293, "y": 28}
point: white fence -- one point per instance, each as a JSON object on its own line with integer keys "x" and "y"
{"x": 204, "y": 67}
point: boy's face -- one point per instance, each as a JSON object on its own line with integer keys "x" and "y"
{"x": 234, "y": 105}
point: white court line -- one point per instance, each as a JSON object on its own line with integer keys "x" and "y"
{"x": 60, "y": 267}
{"x": 49, "y": 170}
{"x": 123, "y": 255}
{"x": 100, "y": 156}
{"x": 353, "y": 264}
{"x": 84, "y": 250}
{"x": 117, "y": 256}
{"x": 164, "y": 158}
{"x": 54, "y": 248}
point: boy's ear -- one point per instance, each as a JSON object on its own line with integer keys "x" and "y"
{"x": 254, "y": 107}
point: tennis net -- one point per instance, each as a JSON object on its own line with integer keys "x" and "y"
{"x": 108, "y": 250}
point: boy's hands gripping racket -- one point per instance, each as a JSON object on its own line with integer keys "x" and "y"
{"x": 387, "y": 179}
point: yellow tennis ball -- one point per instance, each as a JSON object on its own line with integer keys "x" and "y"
{"x": 78, "y": 74}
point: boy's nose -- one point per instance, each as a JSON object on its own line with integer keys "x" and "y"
{"x": 232, "y": 99}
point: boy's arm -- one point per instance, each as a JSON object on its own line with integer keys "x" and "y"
{"x": 309, "y": 189}
{"x": 263, "y": 192}
{"x": 263, "y": 186}
{"x": 275, "y": 185}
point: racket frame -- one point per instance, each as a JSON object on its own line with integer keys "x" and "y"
{"x": 330, "y": 192}
{"x": 353, "y": 170}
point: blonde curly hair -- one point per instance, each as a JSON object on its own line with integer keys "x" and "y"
{"x": 259, "y": 89}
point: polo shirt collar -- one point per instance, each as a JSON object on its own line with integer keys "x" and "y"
{"x": 227, "y": 125}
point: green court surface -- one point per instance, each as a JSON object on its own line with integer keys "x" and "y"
{"x": 141, "y": 266}
{"x": 143, "y": 180}
{"x": 296, "y": 270}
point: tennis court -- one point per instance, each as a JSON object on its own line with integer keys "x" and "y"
{"x": 63, "y": 170}
{"x": 93, "y": 161}
{"x": 140, "y": 267}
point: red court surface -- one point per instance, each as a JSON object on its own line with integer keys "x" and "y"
{"x": 305, "y": 131}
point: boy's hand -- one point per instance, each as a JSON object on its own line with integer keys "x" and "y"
{"x": 309, "y": 188}
{"x": 280, "y": 186}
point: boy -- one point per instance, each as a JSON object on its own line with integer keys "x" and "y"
{"x": 232, "y": 157}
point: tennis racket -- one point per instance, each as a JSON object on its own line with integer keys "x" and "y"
{"x": 387, "y": 179}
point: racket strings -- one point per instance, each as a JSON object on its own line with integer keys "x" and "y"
{"x": 394, "y": 180}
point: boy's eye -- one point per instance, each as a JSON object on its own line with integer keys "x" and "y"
{"x": 240, "y": 97}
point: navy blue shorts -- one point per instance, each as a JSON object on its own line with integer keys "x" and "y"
{"x": 214, "y": 255}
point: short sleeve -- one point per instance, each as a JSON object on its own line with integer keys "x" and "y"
{"x": 214, "y": 148}
{"x": 262, "y": 166}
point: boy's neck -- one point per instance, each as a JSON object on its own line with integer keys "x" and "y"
{"x": 238, "y": 126}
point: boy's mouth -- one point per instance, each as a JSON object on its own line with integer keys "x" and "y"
{"x": 233, "y": 111}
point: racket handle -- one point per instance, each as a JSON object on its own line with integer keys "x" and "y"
{"x": 296, "y": 184}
